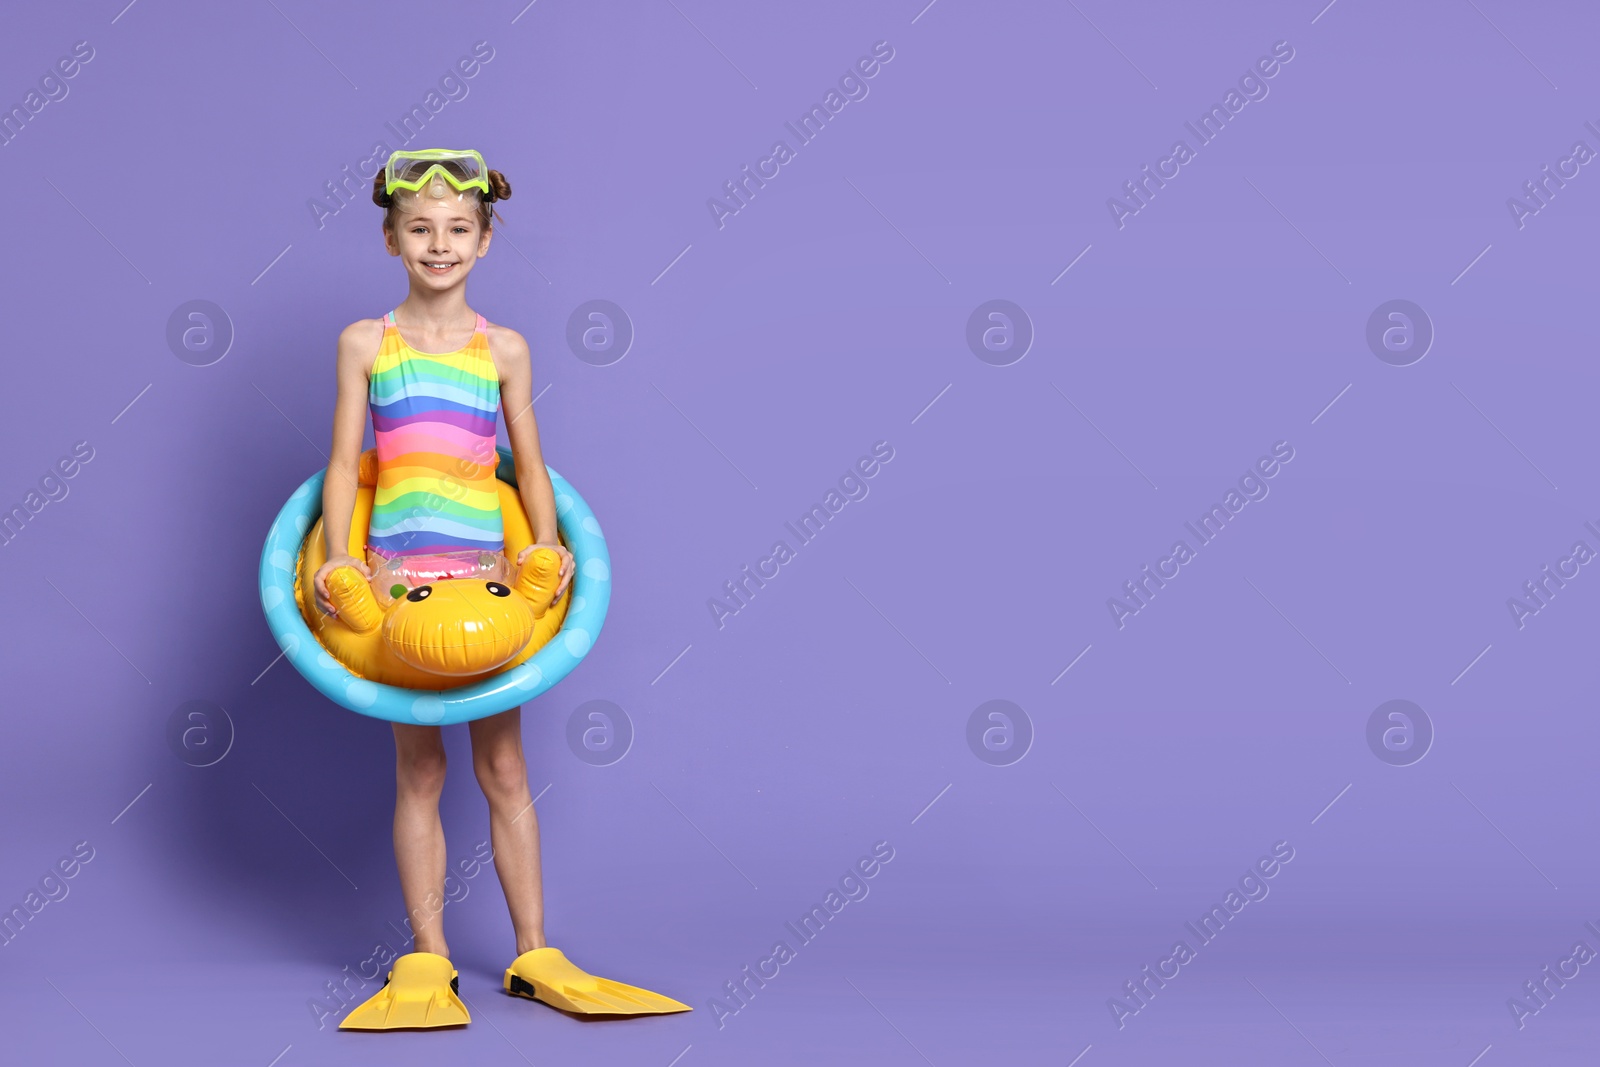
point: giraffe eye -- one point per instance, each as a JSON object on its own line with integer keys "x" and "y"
{"x": 497, "y": 589}
{"x": 420, "y": 593}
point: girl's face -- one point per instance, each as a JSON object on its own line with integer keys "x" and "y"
{"x": 439, "y": 242}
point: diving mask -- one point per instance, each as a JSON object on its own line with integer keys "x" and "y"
{"x": 432, "y": 167}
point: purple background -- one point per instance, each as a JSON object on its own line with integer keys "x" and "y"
{"x": 827, "y": 714}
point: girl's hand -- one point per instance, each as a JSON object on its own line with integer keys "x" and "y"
{"x": 566, "y": 565}
{"x": 320, "y": 581}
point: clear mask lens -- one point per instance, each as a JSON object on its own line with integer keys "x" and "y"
{"x": 433, "y": 194}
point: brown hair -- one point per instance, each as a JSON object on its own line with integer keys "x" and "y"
{"x": 500, "y": 189}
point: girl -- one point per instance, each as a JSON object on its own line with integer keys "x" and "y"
{"x": 435, "y": 373}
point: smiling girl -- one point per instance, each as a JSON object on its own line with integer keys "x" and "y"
{"x": 435, "y": 375}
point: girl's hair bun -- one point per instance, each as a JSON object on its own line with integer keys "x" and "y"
{"x": 500, "y": 189}
{"x": 379, "y": 197}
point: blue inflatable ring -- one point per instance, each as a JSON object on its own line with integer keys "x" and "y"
{"x": 590, "y": 593}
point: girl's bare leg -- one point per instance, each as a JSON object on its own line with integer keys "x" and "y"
{"x": 513, "y": 826}
{"x": 418, "y": 834}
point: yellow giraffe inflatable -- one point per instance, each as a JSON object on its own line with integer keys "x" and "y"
{"x": 450, "y": 632}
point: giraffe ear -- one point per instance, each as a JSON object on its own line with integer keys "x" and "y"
{"x": 537, "y": 581}
{"x": 352, "y": 599}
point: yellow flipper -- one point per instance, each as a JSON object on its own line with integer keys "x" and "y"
{"x": 545, "y": 974}
{"x": 419, "y": 995}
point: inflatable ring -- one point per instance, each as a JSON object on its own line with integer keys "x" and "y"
{"x": 587, "y": 598}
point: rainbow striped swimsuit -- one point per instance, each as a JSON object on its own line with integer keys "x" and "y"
{"x": 434, "y": 419}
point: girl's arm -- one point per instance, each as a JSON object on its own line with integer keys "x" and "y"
{"x": 533, "y": 481}
{"x": 356, "y": 348}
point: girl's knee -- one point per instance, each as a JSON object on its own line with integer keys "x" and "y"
{"x": 421, "y": 770}
{"x": 502, "y": 774}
